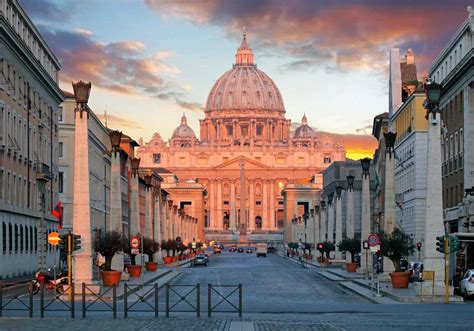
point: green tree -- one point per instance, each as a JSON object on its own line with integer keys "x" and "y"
{"x": 107, "y": 244}
{"x": 351, "y": 245}
{"x": 396, "y": 245}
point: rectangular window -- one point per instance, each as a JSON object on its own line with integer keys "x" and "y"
{"x": 10, "y": 237}
{"x": 258, "y": 202}
{"x": 182, "y": 160}
{"x": 301, "y": 160}
{"x": 61, "y": 182}
{"x": 280, "y": 160}
{"x": 327, "y": 159}
{"x": 202, "y": 160}
{"x": 226, "y": 202}
{"x": 156, "y": 157}
{"x": 259, "y": 130}
{"x": 61, "y": 149}
{"x": 230, "y": 130}
{"x": 4, "y": 237}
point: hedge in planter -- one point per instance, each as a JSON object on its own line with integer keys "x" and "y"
{"x": 150, "y": 247}
{"x": 351, "y": 245}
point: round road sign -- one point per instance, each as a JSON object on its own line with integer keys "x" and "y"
{"x": 373, "y": 240}
{"x": 53, "y": 238}
{"x": 134, "y": 242}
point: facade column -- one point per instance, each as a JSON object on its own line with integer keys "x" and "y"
{"x": 338, "y": 221}
{"x": 174, "y": 221}
{"x": 220, "y": 217}
{"x": 212, "y": 204}
{"x": 265, "y": 220}
{"x": 251, "y": 204}
{"x": 316, "y": 224}
{"x": 365, "y": 214}
{"x": 433, "y": 260}
{"x": 232, "y": 205}
{"x": 272, "y": 205}
{"x": 157, "y": 220}
{"x": 134, "y": 222}
{"x": 115, "y": 223}
{"x": 81, "y": 202}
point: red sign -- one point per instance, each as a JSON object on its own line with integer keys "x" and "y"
{"x": 134, "y": 242}
{"x": 373, "y": 240}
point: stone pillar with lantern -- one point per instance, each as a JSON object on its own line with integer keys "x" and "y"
{"x": 115, "y": 183}
{"x": 338, "y": 220}
{"x": 134, "y": 223}
{"x": 349, "y": 212}
{"x": 82, "y": 222}
{"x": 433, "y": 260}
{"x": 157, "y": 221}
{"x": 323, "y": 219}
{"x": 389, "y": 195}
{"x": 365, "y": 214}
{"x": 148, "y": 232}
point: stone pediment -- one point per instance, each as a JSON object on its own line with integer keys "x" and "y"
{"x": 235, "y": 164}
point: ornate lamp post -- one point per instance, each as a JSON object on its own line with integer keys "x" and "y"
{"x": 338, "y": 220}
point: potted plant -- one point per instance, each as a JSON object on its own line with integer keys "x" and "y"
{"x": 328, "y": 247}
{"x": 107, "y": 244}
{"x": 171, "y": 245}
{"x": 395, "y": 246}
{"x": 133, "y": 269}
{"x": 351, "y": 245}
{"x": 307, "y": 247}
{"x": 164, "y": 246}
{"x": 150, "y": 247}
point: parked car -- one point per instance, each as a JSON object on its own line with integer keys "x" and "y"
{"x": 249, "y": 251}
{"x": 232, "y": 249}
{"x": 240, "y": 250}
{"x": 466, "y": 285}
{"x": 207, "y": 257}
{"x": 200, "y": 259}
{"x": 217, "y": 250}
{"x": 271, "y": 249}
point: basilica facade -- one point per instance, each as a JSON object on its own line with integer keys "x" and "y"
{"x": 246, "y": 157}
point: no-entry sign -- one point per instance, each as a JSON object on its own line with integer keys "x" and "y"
{"x": 134, "y": 242}
{"x": 53, "y": 238}
{"x": 373, "y": 240}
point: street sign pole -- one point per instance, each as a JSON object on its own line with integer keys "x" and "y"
{"x": 446, "y": 271}
{"x": 54, "y": 267}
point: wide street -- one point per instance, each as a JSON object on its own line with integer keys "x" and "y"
{"x": 277, "y": 295}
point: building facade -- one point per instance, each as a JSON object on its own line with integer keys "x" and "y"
{"x": 454, "y": 70}
{"x": 245, "y": 155}
{"x": 29, "y": 108}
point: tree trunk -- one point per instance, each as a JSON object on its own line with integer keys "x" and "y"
{"x": 108, "y": 263}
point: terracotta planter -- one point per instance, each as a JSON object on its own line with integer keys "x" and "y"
{"x": 167, "y": 259}
{"x": 351, "y": 267}
{"x": 174, "y": 258}
{"x": 190, "y": 255}
{"x": 110, "y": 278}
{"x": 400, "y": 279}
{"x": 134, "y": 270}
{"x": 151, "y": 266}
{"x": 308, "y": 257}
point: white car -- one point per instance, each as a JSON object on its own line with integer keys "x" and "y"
{"x": 467, "y": 284}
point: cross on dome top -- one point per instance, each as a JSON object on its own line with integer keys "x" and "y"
{"x": 244, "y": 55}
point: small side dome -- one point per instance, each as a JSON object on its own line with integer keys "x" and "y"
{"x": 184, "y": 130}
{"x": 304, "y": 131}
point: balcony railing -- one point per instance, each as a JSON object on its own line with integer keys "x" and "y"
{"x": 43, "y": 172}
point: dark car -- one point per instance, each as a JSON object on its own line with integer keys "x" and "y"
{"x": 271, "y": 249}
{"x": 232, "y": 249}
{"x": 200, "y": 259}
{"x": 240, "y": 250}
{"x": 249, "y": 251}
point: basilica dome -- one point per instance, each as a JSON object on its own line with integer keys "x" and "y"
{"x": 304, "y": 130}
{"x": 244, "y": 87}
{"x": 183, "y": 130}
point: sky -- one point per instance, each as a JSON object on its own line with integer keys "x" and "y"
{"x": 151, "y": 60}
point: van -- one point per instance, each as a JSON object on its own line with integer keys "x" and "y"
{"x": 262, "y": 249}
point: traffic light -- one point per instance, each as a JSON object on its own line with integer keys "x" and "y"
{"x": 453, "y": 243}
{"x": 418, "y": 246}
{"x": 440, "y": 244}
{"x": 63, "y": 243}
{"x": 76, "y": 242}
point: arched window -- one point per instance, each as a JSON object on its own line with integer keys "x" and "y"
{"x": 258, "y": 222}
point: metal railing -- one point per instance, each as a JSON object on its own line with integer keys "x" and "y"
{"x": 57, "y": 298}
{"x": 99, "y": 297}
{"x": 183, "y": 299}
{"x": 17, "y": 302}
{"x": 141, "y": 302}
{"x": 224, "y": 298}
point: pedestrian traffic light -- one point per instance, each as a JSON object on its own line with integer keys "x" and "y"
{"x": 453, "y": 243}
{"x": 320, "y": 247}
{"x": 76, "y": 242}
{"x": 440, "y": 244}
{"x": 418, "y": 246}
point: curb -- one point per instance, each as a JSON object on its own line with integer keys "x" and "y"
{"x": 151, "y": 280}
{"x": 370, "y": 298}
